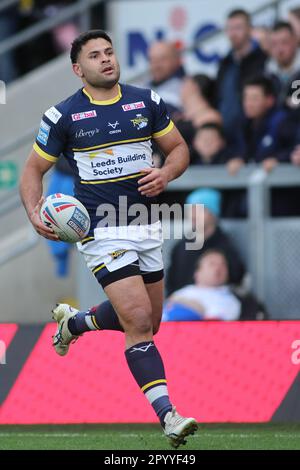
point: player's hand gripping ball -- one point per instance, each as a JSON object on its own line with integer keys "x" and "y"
{"x": 66, "y": 216}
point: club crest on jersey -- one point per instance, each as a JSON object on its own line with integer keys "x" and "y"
{"x": 133, "y": 106}
{"x": 140, "y": 121}
{"x": 84, "y": 115}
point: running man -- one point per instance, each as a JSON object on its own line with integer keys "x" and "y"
{"x": 105, "y": 131}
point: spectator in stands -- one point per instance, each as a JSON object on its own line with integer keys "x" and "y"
{"x": 183, "y": 261}
{"x": 198, "y": 105}
{"x": 210, "y": 297}
{"x": 284, "y": 64}
{"x": 244, "y": 60}
{"x": 167, "y": 72}
{"x": 259, "y": 135}
{"x": 210, "y": 146}
{"x": 261, "y": 34}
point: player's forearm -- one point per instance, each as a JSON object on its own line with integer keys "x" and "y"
{"x": 31, "y": 188}
{"x": 177, "y": 161}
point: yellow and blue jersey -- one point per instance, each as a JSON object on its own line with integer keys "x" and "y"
{"x": 107, "y": 143}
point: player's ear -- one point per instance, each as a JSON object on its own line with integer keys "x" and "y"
{"x": 77, "y": 70}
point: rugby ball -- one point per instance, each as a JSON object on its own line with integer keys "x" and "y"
{"x": 67, "y": 217}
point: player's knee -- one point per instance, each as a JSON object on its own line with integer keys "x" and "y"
{"x": 140, "y": 321}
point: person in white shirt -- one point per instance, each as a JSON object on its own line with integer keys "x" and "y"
{"x": 209, "y": 298}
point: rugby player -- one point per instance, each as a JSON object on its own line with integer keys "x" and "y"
{"x": 105, "y": 132}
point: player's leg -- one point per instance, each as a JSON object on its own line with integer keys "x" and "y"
{"x": 143, "y": 358}
{"x": 104, "y": 317}
{"x": 107, "y": 264}
{"x": 133, "y": 306}
{"x": 155, "y": 292}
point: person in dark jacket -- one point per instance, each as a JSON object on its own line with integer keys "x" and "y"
{"x": 183, "y": 261}
{"x": 244, "y": 60}
{"x": 210, "y": 146}
{"x": 284, "y": 64}
{"x": 259, "y": 135}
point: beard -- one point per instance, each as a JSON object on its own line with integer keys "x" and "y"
{"x": 97, "y": 81}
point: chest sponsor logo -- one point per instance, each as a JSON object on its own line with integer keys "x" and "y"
{"x": 114, "y": 126}
{"x": 93, "y": 155}
{"x": 86, "y": 133}
{"x": 84, "y": 115}
{"x": 133, "y": 106}
{"x": 44, "y": 132}
{"x": 139, "y": 121}
{"x": 53, "y": 114}
{"x": 113, "y": 166}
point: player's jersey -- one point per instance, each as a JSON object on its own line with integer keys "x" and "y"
{"x": 107, "y": 144}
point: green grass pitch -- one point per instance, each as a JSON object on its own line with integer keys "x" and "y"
{"x": 149, "y": 437}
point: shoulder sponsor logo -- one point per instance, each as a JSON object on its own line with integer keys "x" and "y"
{"x": 44, "y": 132}
{"x": 53, "y": 114}
{"x": 84, "y": 115}
{"x": 139, "y": 122}
{"x": 133, "y": 106}
{"x": 155, "y": 97}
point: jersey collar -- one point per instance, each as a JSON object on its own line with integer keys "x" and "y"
{"x": 105, "y": 102}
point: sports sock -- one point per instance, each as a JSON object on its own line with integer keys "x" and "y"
{"x": 147, "y": 368}
{"x": 101, "y": 317}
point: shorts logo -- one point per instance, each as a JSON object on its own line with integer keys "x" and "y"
{"x": 117, "y": 254}
{"x": 84, "y": 115}
{"x": 133, "y": 106}
{"x": 53, "y": 114}
{"x": 139, "y": 122}
{"x": 44, "y": 132}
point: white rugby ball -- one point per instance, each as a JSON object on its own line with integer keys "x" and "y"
{"x": 67, "y": 217}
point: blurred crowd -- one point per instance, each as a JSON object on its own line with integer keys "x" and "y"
{"x": 35, "y": 52}
{"x": 248, "y": 113}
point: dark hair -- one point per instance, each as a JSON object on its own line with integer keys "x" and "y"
{"x": 213, "y": 126}
{"x": 239, "y": 12}
{"x": 207, "y": 87}
{"x": 210, "y": 251}
{"x": 283, "y": 25}
{"x": 83, "y": 38}
{"x": 265, "y": 83}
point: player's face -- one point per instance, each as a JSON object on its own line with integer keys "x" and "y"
{"x": 97, "y": 64}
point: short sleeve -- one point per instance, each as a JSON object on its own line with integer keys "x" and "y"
{"x": 50, "y": 140}
{"x": 162, "y": 123}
